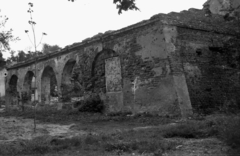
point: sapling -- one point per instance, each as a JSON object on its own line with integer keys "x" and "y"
{"x": 32, "y": 24}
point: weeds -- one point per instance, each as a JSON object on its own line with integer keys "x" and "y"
{"x": 229, "y": 131}
{"x": 189, "y": 129}
{"x": 147, "y": 141}
{"x": 49, "y": 115}
{"x": 140, "y": 141}
{"x": 151, "y": 140}
{"x": 92, "y": 104}
{"x": 226, "y": 128}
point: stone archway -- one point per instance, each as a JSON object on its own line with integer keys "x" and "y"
{"x": 106, "y": 71}
{"x": 28, "y": 85}
{"x": 99, "y": 69}
{"x": 48, "y": 85}
{"x": 12, "y": 90}
{"x": 66, "y": 83}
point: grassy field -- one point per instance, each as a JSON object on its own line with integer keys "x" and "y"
{"x": 121, "y": 134}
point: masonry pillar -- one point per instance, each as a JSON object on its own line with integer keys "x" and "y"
{"x": 38, "y": 90}
{"x": 182, "y": 95}
{"x": 180, "y": 85}
{"x": 113, "y": 84}
{"x": 46, "y": 89}
{"x": 59, "y": 90}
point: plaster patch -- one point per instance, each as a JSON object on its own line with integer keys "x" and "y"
{"x": 93, "y": 48}
{"x": 158, "y": 71}
{"x": 99, "y": 47}
{"x": 118, "y": 47}
{"x": 196, "y": 46}
{"x": 77, "y": 58}
{"x": 56, "y": 62}
{"x": 171, "y": 47}
{"x": 170, "y": 34}
{"x": 193, "y": 73}
{"x": 153, "y": 45}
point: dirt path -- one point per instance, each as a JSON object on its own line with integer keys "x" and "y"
{"x": 12, "y": 129}
{"x": 17, "y": 128}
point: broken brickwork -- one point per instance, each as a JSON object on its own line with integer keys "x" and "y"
{"x": 163, "y": 65}
{"x": 211, "y": 59}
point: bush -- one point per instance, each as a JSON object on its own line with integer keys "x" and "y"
{"x": 229, "y": 132}
{"x": 226, "y": 128}
{"x": 141, "y": 146}
{"x": 92, "y": 104}
{"x": 189, "y": 129}
{"x": 2, "y": 102}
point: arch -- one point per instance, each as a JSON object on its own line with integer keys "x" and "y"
{"x": 48, "y": 85}
{"x": 28, "y": 85}
{"x": 66, "y": 83}
{"x": 104, "y": 54}
{"x": 13, "y": 84}
{"x": 12, "y": 90}
{"x": 98, "y": 69}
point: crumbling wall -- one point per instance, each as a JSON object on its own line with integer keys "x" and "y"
{"x": 24, "y": 81}
{"x": 135, "y": 69}
{"x": 148, "y": 65}
{"x": 226, "y": 8}
{"x": 211, "y": 65}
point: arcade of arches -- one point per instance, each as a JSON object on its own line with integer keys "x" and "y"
{"x": 151, "y": 66}
{"x": 68, "y": 78}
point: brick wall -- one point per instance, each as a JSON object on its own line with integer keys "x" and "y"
{"x": 211, "y": 67}
{"x": 144, "y": 59}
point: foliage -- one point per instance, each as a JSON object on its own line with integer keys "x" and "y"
{"x": 92, "y": 104}
{"x": 123, "y": 5}
{"x": 2, "y": 61}
{"x": 2, "y": 102}
{"x": 81, "y": 80}
{"x": 12, "y": 58}
{"x": 12, "y": 90}
{"x": 229, "y": 130}
{"x": 22, "y": 56}
{"x": 146, "y": 140}
{"x": 5, "y": 35}
{"x": 189, "y": 129}
{"x": 81, "y": 83}
{"x": 25, "y": 97}
{"x": 46, "y": 49}
{"x": 48, "y": 114}
{"x": 133, "y": 141}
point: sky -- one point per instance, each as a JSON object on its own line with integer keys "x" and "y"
{"x": 67, "y": 22}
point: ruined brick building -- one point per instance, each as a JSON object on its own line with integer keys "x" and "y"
{"x": 173, "y": 63}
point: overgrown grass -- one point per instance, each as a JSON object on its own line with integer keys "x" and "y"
{"x": 229, "y": 130}
{"x": 226, "y": 128}
{"x": 140, "y": 141}
{"x": 152, "y": 140}
{"x": 147, "y": 141}
{"x": 189, "y": 129}
{"x": 50, "y": 115}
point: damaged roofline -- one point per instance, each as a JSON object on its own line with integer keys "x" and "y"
{"x": 107, "y": 36}
{"x": 70, "y": 48}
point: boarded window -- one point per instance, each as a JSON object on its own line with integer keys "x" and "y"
{"x": 113, "y": 74}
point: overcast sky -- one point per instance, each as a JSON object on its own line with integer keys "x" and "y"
{"x": 68, "y": 22}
